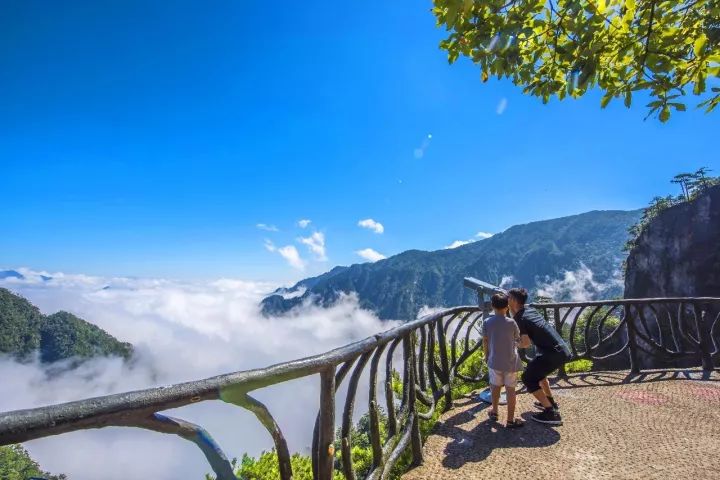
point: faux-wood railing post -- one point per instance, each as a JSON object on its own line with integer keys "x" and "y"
{"x": 704, "y": 333}
{"x": 632, "y": 339}
{"x": 558, "y": 326}
{"x": 444, "y": 363}
{"x": 326, "y": 434}
{"x": 415, "y": 439}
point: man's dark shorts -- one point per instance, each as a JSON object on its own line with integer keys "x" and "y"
{"x": 541, "y": 366}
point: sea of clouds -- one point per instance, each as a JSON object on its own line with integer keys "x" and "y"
{"x": 181, "y": 331}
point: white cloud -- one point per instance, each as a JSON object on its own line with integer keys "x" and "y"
{"x": 290, "y": 253}
{"x": 371, "y": 224}
{"x": 578, "y": 285}
{"x": 182, "y": 331}
{"x": 370, "y": 254}
{"x": 288, "y": 294}
{"x": 457, "y": 243}
{"x": 304, "y": 223}
{"x": 267, "y": 228}
{"x": 316, "y": 244}
{"x": 506, "y": 281}
{"x": 460, "y": 243}
{"x": 501, "y": 106}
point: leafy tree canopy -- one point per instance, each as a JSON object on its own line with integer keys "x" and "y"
{"x": 16, "y": 464}
{"x": 563, "y": 48}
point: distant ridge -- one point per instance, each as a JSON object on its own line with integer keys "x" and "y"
{"x": 4, "y": 274}
{"x": 528, "y": 255}
{"x": 11, "y": 274}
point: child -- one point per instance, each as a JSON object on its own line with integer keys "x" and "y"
{"x": 500, "y": 339}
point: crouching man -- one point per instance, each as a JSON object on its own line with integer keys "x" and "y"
{"x": 551, "y": 354}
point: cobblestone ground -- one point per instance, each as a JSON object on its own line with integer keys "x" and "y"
{"x": 666, "y": 426}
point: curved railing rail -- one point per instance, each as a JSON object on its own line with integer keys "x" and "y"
{"x": 653, "y": 331}
{"x": 430, "y": 349}
{"x": 683, "y": 331}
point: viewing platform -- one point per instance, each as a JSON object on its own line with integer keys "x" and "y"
{"x": 618, "y": 425}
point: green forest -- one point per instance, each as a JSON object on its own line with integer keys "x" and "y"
{"x": 25, "y": 332}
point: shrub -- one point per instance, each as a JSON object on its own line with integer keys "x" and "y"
{"x": 579, "y": 366}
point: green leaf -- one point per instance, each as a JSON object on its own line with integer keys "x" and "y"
{"x": 628, "y": 98}
{"x": 467, "y": 6}
{"x": 699, "y": 44}
{"x": 680, "y": 107}
{"x": 451, "y": 16}
{"x": 665, "y": 114}
{"x": 605, "y": 100}
{"x": 601, "y": 6}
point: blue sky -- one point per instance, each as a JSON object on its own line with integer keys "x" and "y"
{"x": 150, "y": 138}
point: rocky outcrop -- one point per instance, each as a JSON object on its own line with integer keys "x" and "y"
{"x": 678, "y": 252}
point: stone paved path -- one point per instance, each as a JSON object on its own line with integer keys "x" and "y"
{"x": 665, "y": 427}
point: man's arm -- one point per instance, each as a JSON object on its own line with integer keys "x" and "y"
{"x": 485, "y": 347}
{"x": 523, "y": 331}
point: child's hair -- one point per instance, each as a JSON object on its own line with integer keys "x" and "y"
{"x": 519, "y": 294}
{"x": 499, "y": 301}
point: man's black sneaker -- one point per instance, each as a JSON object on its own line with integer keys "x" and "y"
{"x": 549, "y": 416}
{"x": 539, "y": 405}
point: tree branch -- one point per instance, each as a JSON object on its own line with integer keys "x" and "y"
{"x": 647, "y": 36}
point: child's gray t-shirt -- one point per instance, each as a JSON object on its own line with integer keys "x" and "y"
{"x": 502, "y": 334}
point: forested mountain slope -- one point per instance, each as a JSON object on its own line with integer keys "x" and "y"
{"x": 24, "y": 331}
{"x": 534, "y": 253}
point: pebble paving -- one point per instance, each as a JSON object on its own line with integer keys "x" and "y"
{"x": 661, "y": 425}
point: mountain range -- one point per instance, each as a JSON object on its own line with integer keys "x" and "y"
{"x": 530, "y": 255}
